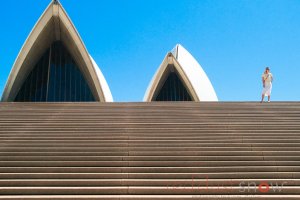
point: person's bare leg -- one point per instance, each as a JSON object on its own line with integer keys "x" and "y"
{"x": 262, "y": 98}
{"x": 269, "y": 98}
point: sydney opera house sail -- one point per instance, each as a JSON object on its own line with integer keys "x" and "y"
{"x": 180, "y": 78}
{"x": 54, "y": 65}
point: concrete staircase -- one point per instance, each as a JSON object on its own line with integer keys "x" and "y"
{"x": 207, "y": 151}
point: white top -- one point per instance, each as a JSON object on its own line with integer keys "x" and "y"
{"x": 268, "y": 78}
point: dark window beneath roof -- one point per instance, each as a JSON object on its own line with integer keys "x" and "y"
{"x": 55, "y": 78}
{"x": 173, "y": 90}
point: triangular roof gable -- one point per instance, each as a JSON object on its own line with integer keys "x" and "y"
{"x": 168, "y": 65}
{"x": 190, "y": 72}
{"x": 53, "y": 25}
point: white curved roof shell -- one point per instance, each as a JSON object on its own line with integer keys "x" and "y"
{"x": 54, "y": 25}
{"x": 103, "y": 83}
{"x": 191, "y": 73}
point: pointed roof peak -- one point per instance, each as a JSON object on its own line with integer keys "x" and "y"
{"x": 55, "y": 2}
{"x": 175, "y": 50}
{"x": 178, "y": 45}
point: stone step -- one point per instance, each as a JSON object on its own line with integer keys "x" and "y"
{"x": 220, "y": 154}
{"x": 154, "y": 146}
{"x": 171, "y": 183}
{"x": 59, "y": 168}
{"x": 156, "y": 197}
{"x": 216, "y": 138}
{"x": 62, "y": 174}
{"x": 149, "y": 149}
{"x": 148, "y": 135}
{"x": 132, "y": 141}
{"x": 207, "y": 163}
{"x": 163, "y": 190}
{"x": 150, "y": 158}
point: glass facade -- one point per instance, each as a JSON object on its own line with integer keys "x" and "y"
{"x": 173, "y": 90}
{"x": 55, "y": 78}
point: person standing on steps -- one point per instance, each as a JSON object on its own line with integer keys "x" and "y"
{"x": 267, "y": 79}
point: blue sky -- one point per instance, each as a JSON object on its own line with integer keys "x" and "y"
{"x": 233, "y": 40}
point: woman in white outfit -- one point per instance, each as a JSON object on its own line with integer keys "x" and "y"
{"x": 267, "y": 79}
